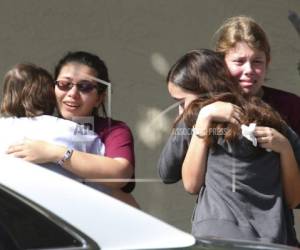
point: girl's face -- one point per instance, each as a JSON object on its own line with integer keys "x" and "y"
{"x": 76, "y": 92}
{"x": 248, "y": 66}
{"x": 185, "y": 97}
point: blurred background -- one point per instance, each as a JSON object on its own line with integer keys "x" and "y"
{"x": 139, "y": 40}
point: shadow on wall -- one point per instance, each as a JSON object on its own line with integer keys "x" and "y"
{"x": 154, "y": 123}
{"x": 295, "y": 20}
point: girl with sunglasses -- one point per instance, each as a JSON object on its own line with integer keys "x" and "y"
{"x": 241, "y": 186}
{"x": 79, "y": 95}
{"x": 28, "y": 102}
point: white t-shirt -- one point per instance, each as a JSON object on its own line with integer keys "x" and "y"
{"x": 53, "y": 130}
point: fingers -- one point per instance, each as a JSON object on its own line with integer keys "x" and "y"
{"x": 268, "y": 138}
{"x": 263, "y": 140}
{"x": 17, "y": 150}
{"x": 224, "y": 112}
{"x": 238, "y": 110}
{"x": 263, "y": 131}
{"x": 262, "y": 134}
{"x": 235, "y": 120}
{"x": 19, "y": 154}
{"x": 14, "y": 148}
{"x": 237, "y": 113}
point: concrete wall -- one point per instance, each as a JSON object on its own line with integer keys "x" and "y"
{"x": 139, "y": 40}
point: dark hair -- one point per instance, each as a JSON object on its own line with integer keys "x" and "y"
{"x": 27, "y": 92}
{"x": 254, "y": 110}
{"x": 204, "y": 72}
{"x": 90, "y": 60}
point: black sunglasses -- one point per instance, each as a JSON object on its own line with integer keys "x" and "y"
{"x": 82, "y": 86}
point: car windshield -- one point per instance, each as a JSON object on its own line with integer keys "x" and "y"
{"x": 24, "y": 225}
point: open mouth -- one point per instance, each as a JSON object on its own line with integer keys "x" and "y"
{"x": 248, "y": 83}
{"x": 71, "y": 105}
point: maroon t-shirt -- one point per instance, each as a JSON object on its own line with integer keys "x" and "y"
{"x": 286, "y": 104}
{"x": 118, "y": 141}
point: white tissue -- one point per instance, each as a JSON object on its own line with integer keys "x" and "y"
{"x": 248, "y": 132}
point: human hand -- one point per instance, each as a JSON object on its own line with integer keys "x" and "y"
{"x": 34, "y": 151}
{"x": 221, "y": 112}
{"x": 270, "y": 138}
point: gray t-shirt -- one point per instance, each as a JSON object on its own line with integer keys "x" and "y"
{"x": 242, "y": 197}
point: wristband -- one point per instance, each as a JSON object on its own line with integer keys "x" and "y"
{"x": 66, "y": 157}
{"x": 198, "y": 133}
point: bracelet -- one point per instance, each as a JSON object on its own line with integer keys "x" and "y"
{"x": 198, "y": 133}
{"x": 66, "y": 157}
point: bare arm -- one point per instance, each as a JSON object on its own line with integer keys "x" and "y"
{"x": 290, "y": 176}
{"x": 194, "y": 165}
{"x": 103, "y": 168}
{"x": 270, "y": 138}
{"x": 82, "y": 164}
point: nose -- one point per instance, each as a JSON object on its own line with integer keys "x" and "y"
{"x": 73, "y": 91}
{"x": 248, "y": 69}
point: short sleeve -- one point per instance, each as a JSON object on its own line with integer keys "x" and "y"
{"x": 172, "y": 156}
{"x": 119, "y": 143}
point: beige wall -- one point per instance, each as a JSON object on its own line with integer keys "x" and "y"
{"x": 139, "y": 39}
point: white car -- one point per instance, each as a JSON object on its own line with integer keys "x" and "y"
{"x": 40, "y": 209}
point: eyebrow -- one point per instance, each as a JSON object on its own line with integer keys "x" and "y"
{"x": 66, "y": 77}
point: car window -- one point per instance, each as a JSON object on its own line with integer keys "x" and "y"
{"x": 23, "y": 225}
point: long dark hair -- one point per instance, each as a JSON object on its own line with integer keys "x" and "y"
{"x": 254, "y": 110}
{"x": 92, "y": 61}
{"x": 205, "y": 73}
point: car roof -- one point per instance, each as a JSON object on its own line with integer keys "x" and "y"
{"x": 110, "y": 223}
